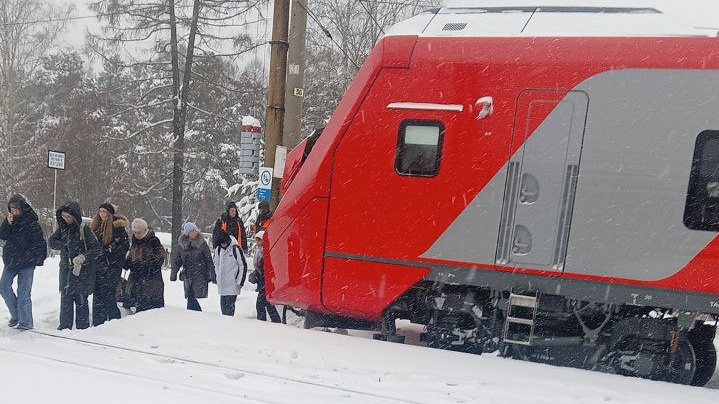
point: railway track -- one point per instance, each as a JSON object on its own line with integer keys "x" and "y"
{"x": 318, "y": 387}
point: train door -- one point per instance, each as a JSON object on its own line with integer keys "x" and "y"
{"x": 542, "y": 179}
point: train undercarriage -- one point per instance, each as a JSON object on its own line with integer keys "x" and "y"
{"x": 648, "y": 342}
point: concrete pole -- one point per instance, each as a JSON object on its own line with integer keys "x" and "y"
{"x": 276, "y": 90}
{"x": 295, "y": 74}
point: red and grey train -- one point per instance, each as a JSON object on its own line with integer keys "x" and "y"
{"x": 539, "y": 180}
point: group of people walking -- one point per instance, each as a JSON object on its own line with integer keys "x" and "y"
{"x": 92, "y": 259}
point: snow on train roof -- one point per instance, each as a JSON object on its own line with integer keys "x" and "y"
{"x": 496, "y": 20}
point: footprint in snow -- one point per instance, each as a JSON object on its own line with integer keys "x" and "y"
{"x": 234, "y": 375}
{"x": 168, "y": 360}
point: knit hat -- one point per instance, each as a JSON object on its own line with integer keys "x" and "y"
{"x": 188, "y": 227}
{"x": 108, "y": 207}
{"x": 139, "y": 225}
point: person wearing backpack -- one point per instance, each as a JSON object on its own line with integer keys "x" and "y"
{"x": 230, "y": 224}
{"x": 80, "y": 257}
{"x": 230, "y": 272}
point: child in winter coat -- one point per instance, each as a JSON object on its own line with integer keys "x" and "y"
{"x": 230, "y": 271}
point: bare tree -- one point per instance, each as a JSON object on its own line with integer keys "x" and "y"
{"x": 29, "y": 29}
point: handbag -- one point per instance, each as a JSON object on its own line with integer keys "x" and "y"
{"x": 252, "y": 277}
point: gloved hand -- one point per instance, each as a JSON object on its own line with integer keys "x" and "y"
{"x": 77, "y": 264}
{"x": 173, "y": 278}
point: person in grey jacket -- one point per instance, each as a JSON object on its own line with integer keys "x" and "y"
{"x": 195, "y": 259}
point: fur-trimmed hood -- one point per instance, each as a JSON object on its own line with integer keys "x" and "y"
{"x": 120, "y": 221}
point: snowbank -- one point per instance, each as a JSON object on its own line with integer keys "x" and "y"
{"x": 172, "y": 355}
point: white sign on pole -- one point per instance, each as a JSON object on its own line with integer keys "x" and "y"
{"x": 55, "y": 160}
{"x": 265, "y": 178}
{"x": 280, "y": 160}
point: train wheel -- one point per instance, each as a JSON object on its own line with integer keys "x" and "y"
{"x": 657, "y": 366}
{"x": 684, "y": 367}
{"x": 706, "y": 358}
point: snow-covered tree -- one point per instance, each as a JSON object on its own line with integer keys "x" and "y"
{"x": 176, "y": 35}
{"x": 29, "y": 31}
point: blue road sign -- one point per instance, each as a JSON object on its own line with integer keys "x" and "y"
{"x": 264, "y": 194}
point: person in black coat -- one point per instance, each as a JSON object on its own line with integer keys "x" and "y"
{"x": 80, "y": 258}
{"x": 109, "y": 229}
{"x": 261, "y": 304}
{"x": 195, "y": 259}
{"x": 230, "y": 224}
{"x": 24, "y": 250}
{"x": 264, "y": 217}
{"x": 144, "y": 261}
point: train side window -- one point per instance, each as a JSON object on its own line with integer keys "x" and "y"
{"x": 702, "y": 206}
{"x": 419, "y": 149}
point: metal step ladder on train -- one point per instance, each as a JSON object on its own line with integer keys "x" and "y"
{"x": 521, "y": 318}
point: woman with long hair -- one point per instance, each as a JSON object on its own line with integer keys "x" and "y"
{"x": 109, "y": 228}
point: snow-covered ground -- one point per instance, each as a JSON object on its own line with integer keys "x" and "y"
{"x": 172, "y": 355}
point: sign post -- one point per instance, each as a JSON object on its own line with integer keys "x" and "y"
{"x": 264, "y": 185}
{"x": 250, "y": 145}
{"x": 55, "y": 161}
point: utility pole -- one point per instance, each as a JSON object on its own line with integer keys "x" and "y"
{"x": 276, "y": 91}
{"x": 295, "y": 74}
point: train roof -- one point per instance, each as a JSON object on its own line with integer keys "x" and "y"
{"x": 553, "y": 19}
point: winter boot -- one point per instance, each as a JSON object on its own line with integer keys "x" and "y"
{"x": 13, "y": 322}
